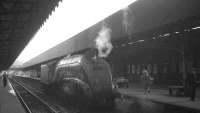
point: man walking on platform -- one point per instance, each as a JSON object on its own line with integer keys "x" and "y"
{"x": 147, "y": 80}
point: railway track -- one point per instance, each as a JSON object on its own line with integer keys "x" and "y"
{"x": 31, "y": 102}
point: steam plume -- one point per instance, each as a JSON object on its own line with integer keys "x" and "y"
{"x": 127, "y": 21}
{"x": 103, "y": 41}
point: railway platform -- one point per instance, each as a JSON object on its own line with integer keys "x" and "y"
{"x": 9, "y": 103}
{"x": 162, "y": 96}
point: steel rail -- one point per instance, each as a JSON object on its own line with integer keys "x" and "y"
{"x": 21, "y": 100}
{"x": 42, "y": 101}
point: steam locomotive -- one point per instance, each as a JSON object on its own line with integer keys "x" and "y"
{"x": 81, "y": 78}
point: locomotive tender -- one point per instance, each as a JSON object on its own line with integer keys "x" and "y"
{"x": 80, "y": 78}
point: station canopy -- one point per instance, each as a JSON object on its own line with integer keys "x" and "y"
{"x": 144, "y": 15}
{"x": 19, "y": 21}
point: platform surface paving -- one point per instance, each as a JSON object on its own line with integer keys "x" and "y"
{"x": 9, "y": 103}
{"x": 161, "y": 96}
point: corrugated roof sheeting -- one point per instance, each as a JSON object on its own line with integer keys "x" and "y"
{"x": 19, "y": 20}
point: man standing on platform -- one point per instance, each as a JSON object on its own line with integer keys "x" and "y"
{"x": 4, "y": 79}
{"x": 194, "y": 83}
{"x": 147, "y": 80}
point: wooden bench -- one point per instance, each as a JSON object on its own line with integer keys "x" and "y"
{"x": 176, "y": 90}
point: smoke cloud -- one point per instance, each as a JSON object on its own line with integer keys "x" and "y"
{"x": 103, "y": 41}
{"x": 127, "y": 21}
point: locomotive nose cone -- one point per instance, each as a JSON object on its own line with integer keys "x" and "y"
{"x": 67, "y": 90}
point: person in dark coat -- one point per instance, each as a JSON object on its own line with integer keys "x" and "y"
{"x": 194, "y": 84}
{"x": 4, "y": 79}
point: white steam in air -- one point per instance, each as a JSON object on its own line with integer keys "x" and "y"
{"x": 103, "y": 41}
{"x": 127, "y": 21}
